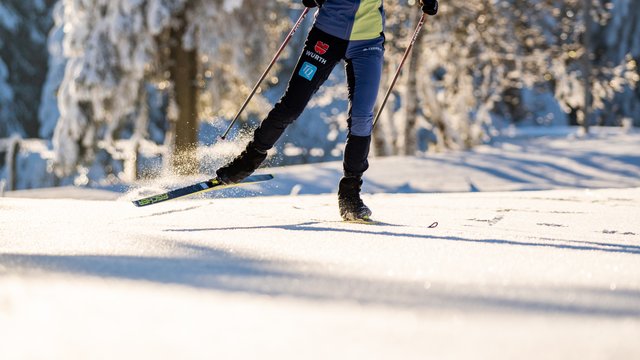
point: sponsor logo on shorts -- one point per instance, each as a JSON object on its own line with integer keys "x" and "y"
{"x": 308, "y": 71}
{"x": 373, "y": 48}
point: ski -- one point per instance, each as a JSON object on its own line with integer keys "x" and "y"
{"x": 363, "y": 221}
{"x": 204, "y": 186}
{"x": 369, "y": 221}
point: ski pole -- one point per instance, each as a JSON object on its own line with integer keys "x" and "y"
{"x": 404, "y": 59}
{"x": 264, "y": 75}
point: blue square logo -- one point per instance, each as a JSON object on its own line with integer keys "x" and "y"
{"x": 308, "y": 71}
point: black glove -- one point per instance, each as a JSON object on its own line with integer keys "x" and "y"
{"x": 312, "y": 3}
{"x": 429, "y": 7}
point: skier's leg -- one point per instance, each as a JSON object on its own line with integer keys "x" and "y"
{"x": 364, "y": 70}
{"x": 319, "y": 56}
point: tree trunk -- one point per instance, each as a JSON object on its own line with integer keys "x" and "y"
{"x": 12, "y": 163}
{"x": 183, "y": 70}
{"x": 587, "y": 66}
{"x": 411, "y": 96}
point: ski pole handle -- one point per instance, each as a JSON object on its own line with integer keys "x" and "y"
{"x": 264, "y": 74}
{"x": 404, "y": 59}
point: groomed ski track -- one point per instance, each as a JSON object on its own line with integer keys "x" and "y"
{"x": 526, "y": 275}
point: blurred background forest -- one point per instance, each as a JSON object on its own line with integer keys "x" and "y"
{"x": 101, "y": 92}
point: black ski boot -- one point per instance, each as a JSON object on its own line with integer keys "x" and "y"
{"x": 242, "y": 166}
{"x": 351, "y": 206}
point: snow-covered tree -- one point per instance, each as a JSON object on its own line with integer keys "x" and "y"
{"x": 48, "y": 113}
{"x": 619, "y": 42}
{"x": 23, "y": 28}
{"x": 480, "y": 58}
{"x": 7, "y": 116}
{"x": 114, "y": 48}
{"x": 477, "y": 63}
{"x": 581, "y": 71}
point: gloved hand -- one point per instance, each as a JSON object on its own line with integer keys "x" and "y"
{"x": 429, "y": 7}
{"x": 313, "y": 3}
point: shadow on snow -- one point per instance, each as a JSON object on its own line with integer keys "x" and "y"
{"x": 209, "y": 268}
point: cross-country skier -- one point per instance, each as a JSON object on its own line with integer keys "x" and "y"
{"x": 349, "y": 30}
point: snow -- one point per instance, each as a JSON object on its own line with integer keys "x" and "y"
{"x": 504, "y": 274}
{"x": 520, "y": 159}
{"x": 8, "y": 18}
{"x": 6, "y": 93}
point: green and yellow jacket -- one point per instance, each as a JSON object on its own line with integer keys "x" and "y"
{"x": 351, "y": 19}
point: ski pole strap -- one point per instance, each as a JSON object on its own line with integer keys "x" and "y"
{"x": 404, "y": 59}
{"x": 264, "y": 74}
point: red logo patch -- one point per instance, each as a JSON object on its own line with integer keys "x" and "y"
{"x": 321, "y": 48}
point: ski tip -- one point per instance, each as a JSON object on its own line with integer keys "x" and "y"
{"x": 139, "y": 203}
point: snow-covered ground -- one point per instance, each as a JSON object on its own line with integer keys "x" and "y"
{"x": 527, "y": 275}
{"x": 533, "y": 159}
{"x": 551, "y": 274}
{"x": 555, "y": 159}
